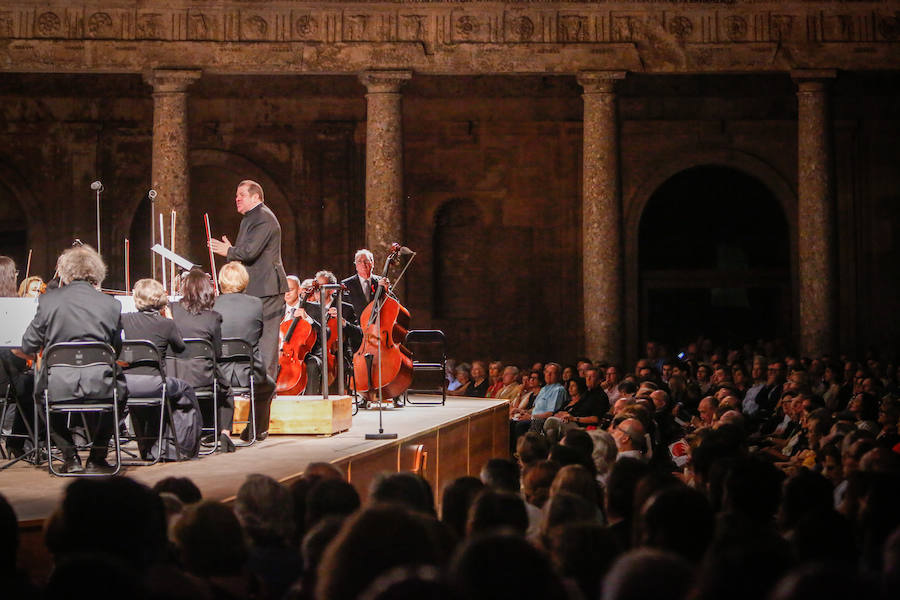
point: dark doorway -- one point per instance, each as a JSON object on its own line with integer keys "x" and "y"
{"x": 714, "y": 259}
{"x": 13, "y": 230}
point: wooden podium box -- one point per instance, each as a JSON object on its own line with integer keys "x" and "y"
{"x": 295, "y": 415}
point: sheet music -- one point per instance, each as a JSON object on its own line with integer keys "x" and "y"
{"x": 15, "y": 316}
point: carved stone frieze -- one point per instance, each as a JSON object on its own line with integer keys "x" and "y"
{"x": 699, "y": 34}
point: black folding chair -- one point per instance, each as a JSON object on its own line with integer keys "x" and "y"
{"x": 239, "y": 353}
{"x": 10, "y": 404}
{"x": 144, "y": 353}
{"x": 428, "y": 340}
{"x": 91, "y": 368}
{"x": 202, "y": 351}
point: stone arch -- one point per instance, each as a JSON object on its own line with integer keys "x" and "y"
{"x": 17, "y": 190}
{"x": 676, "y": 162}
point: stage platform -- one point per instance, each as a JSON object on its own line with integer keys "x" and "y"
{"x": 455, "y": 439}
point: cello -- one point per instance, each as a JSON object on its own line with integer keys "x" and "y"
{"x": 383, "y": 365}
{"x": 299, "y": 338}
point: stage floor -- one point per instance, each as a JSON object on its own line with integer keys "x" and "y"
{"x": 457, "y": 439}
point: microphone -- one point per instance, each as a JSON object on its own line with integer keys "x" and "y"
{"x": 152, "y": 195}
{"x": 97, "y": 186}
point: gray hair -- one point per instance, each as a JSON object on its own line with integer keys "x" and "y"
{"x": 253, "y": 188}
{"x": 81, "y": 263}
{"x": 265, "y": 509}
{"x": 363, "y": 252}
{"x": 149, "y": 294}
{"x": 605, "y": 450}
{"x": 327, "y": 275}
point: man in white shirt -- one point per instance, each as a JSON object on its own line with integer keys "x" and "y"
{"x": 291, "y": 297}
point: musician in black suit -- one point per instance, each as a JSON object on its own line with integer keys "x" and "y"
{"x": 258, "y": 247}
{"x": 152, "y": 322}
{"x": 313, "y": 359}
{"x": 77, "y": 311}
{"x": 242, "y": 317}
{"x": 361, "y": 287}
{"x": 195, "y": 318}
{"x": 352, "y": 333}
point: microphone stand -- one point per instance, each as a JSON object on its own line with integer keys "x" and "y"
{"x": 99, "y": 191}
{"x": 381, "y": 435}
{"x": 152, "y": 196}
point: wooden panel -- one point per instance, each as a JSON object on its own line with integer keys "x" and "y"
{"x": 481, "y": 441}
{"x": 500, "y": 418}
{"x": 363, "y": 469}
{"x": 310, "y": 414}
{"x": 241, "y": 413}
{"x": 429, "y": 471}
{"x": 453, "y": 453}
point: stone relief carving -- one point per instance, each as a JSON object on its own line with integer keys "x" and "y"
{"x": 6, "y": 25}
{"x": 520, "y": 29}
{"x": 48, "y": 24}
{"x": 254, "y": 27}
{"x": 681, "y": 27}
{"x": 306, "y": 26}
{"x": 199, "y": 27}
{"x": 573, "y": 28}
{"x": 782, "y": 27}
{"x": 736, "y": 28}
{"x": 889, "y": 27}
{"x": 356, "y": 27}
{"x": 412, "y": 27}
{"x": 99, "y": 25}
{"x": 150, "y": 26}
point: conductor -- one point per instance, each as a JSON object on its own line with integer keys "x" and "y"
{"x": 258, "y": 247}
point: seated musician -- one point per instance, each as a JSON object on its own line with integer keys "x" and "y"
{"x": 291, "y": 298}
{"x": 153, "y": 322}
{"x": 313, "y": 359}
{"x": 242, "y": 317}
{"x": 195, "y": 318}
{"x": 14, "y": 371}
{"x": 352, "y": 333}
{"x": 77, "y": 311}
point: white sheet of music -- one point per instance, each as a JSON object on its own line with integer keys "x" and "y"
{"x": 15, "y": 316}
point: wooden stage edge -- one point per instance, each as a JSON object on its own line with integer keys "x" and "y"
{"x": 440, "y": 442}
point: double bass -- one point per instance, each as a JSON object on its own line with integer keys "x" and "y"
{"x": 383, "y": 365}
{"x": 299, "y": 338}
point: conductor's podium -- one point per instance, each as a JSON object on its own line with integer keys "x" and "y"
{"x": 296, "y": 415}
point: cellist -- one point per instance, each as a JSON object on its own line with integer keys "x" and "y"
{"x": 352, "y": 332}
{"x": 313, "y": 359}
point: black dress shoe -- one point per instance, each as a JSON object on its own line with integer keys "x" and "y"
{"x": 98, "y": 465}
{"x": 261, "y": 436}
{"x": 72, "y": 464}
{"x": 225, "y": 443}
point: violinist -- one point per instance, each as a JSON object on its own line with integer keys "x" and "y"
{"x": 242, "y": 317}
{"x": 31, "y": 287}
{"x": 313, "y": 359}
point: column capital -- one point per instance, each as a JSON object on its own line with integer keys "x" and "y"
{"x": 171, "y": 80}
{"x": 813, "y": 80}
{"x": 384, "y": 82}
{"x": 599, "y": 82}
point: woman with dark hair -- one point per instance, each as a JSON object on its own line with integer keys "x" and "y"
{"x": 12, "y": 367}
{"x": 581, "y": 410}
{"x": 7, "y": 277}
{"x": 195, "y": 318}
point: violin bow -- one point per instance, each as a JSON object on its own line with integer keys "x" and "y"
{"x": 212, "y": 257}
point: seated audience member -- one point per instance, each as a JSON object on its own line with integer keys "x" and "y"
{"x": 611, "y": 381}
{"x": 648, "y": 573}
{"x": 212, "y": 546}
{"x": 405, "y": 489}
{"x": 509, "y": 388}
{"x": 356, "y": 557}
{"x": 14, "y": 582}
{"x": 549, "y": 400}
{"x": 152, "y": 323}
{"x": 481, "y": 569}
{"x": 495, "y": 379}
{"x": 531, "y": 447}
{"x": 678, "y": 520}
{"x": 463, "y": 375}
{"x": 480, "y": 382}
{"x": 242, "y": 317}
{"x": 619, "y": 497}
{"x": 524, "y": 400}
{"x": 536, "y": 481}
{"x": 497, "y": 510}
{"x": 265, "y": 510}
{"x": 181, "y": 487}
{"x": 195, "y": 318}
{"x": 630, "y": 441}
{"x": 580, "y": 411}
{"x": 456, "y": 501}
{"x": 328, "y": 498}
{"x": 503, "y": 475}
{"x": 604, "y": 453}
{"x": 78, "y": 311}
{"x": 582, "y": 552}
{"x": 575, "y": 479}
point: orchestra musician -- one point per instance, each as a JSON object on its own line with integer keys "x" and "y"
{"x": 258, "y": 247}
{"x": 361, "y": 287}
{"x": 313, "y": 359}
{"x": 14, "y": 371}
{"x": 291, "y": 298}
{"x": 153, "y": 322}
{"x": 352, "y": 332}
{"x": 195, "y": 318}
{"x": 242, "y": 317}
{"x": 77, "y": 311}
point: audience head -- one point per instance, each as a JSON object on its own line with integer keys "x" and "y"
{"x": 497, "y": 510}
{"x": 210, "y": 540}
{"x": 501, "y": 474}
{"x": 264, "y": 508}
{"x": 678, "y": 520}
{"x": 456, "y": 501}
{"x": 182, "y": 487}
{"x": 536, "y": 481}
{"x": 405, "y": 489}
{"x": 648, "y": 573}
{"x": 330, "y": 497}
{"x": 531, "y": 447}
{"x": 605, "y": 451}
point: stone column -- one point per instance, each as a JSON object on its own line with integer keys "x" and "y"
{"x": 601, "y": 230}
{"x": 815, "y": 215}
{"x": 384, "y": 159}
{"x": 170, "y": 171}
